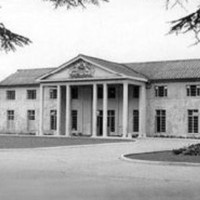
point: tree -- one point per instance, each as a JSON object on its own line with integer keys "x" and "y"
{"x": 74, "y": 3}
{"x": 188, "y": 23}
{"x": 9, "y": 40}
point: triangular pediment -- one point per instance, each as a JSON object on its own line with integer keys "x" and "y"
{"x": 80, "y": 69}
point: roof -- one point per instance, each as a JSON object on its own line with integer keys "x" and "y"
{"x": 117, "y": 67}
{"x": 168, "y": 70}
{"x": 25, "y": 77}
{"x": 153, "y": 71}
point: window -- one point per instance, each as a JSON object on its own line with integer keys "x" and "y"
{"x": 10, "y": 119}
{"x": 31, "y": 94}
{"x": 111, "y": 92}
{"x": 160, "y": 121}
{"x": 31, "y": 114}
{"x": 53, "y": 93}
{"x": 136, "y": 92}
{"x": 193, "y": 90}
{"x": 74, "y": 92}
{"x": 111, "y": 120}
{"x": 74, "y": 119}
{"x": 10, "y": 94}
{"x": 10, "y": 115}
{"x": 135, "y": 121}
{"x": 100, "y": 92}
{"x": 193, "y": 121}
{"x": 161, "y": 91}
{"x": 53, "y": 119}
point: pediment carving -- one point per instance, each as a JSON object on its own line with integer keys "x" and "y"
{"x": 81, "y": 70}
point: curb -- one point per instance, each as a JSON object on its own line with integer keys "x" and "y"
{"x": 162, "y": 163}
{"x": 67, "y": 147}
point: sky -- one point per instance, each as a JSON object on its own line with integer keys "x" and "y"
{"x": 120, "y": 31}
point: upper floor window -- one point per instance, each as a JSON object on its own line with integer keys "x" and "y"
{"x": 161, "y": 91}
{"x": 74, "y": 92}
{"x": 100, "y": 92}
{"x": 136, "y": 92}
{"x": 53, "y": 93}
{"x": 31, "y": 94}
{"x": 10, "y": 94}
{"x": 111, "y": 92}
{"x": 193, "y": 90}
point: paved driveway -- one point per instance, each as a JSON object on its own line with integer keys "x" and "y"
{"x": 95, "y": 172}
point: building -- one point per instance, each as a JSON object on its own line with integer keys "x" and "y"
{"x": 94, "y": 97}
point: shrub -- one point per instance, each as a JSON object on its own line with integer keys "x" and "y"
{"x": 135, "y": 135}
{"x": 192, "y": 150}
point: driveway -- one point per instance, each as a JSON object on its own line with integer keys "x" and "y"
{"x": 95, "y": 172}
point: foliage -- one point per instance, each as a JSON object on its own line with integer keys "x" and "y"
{"x": 74, "y": 3}
{"x": 188, "y": 23}
{"x": 8, "y": 39}
{"x": 192, "y": 150}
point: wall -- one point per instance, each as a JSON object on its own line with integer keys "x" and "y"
{"x": 20, "y": 105}
{"x": 176, "y": 105}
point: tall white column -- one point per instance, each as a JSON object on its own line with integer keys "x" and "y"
{"x": 105, "y": 109}
{"x": 41, "y": 110}
{"x": 125, "y": 109}
{"x": 68, "y": 110}
{"x": 142, "y": 111}
{"x": 94, "y": 111}
{"x": 58, "y": 110}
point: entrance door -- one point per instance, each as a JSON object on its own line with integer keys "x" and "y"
{"x": 100, "y": 123}
{"x": 110, "y": 123}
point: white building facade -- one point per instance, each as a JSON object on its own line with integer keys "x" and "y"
{"x": 96, "y": 98}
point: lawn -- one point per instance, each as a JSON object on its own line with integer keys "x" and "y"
{"x": 33, "y": 141}
{"x": 164, "y": 156}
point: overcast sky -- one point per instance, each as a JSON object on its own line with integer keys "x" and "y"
{"x": 121, "y": 31}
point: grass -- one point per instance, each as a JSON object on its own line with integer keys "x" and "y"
{"x": 164, "y": 156}
{"x": 33, "y": 141}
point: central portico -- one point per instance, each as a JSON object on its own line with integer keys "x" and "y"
{"x": 92, "y": 99}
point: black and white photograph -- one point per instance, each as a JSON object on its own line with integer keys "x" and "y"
{"x": 99, "y": 100}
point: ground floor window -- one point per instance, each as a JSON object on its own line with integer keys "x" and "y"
{"x": 31, "y": 114}
{"x": 111, "y": 120}
{"x": 160, "y": 121}
{"x": 53, "y": 119}
{"x": 193, "y": 121}
{"x": 10, "y": 119}
{"x": 74, "y": 119}
{"x": 135, "y": 121}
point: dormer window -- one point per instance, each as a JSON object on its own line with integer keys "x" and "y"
{"x": 161, "y": 91}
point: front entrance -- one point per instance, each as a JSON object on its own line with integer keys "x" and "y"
{"x": 110, "y": 123}
{"x": 81, "y": 105}
{"x": 100, "y": 123}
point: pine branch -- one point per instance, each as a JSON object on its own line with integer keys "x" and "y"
{"x": 173, "y": 3}
{"x": 74, "y": 3}
{"x": 8, "y": 39}
{"x": 189, "y": 23}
